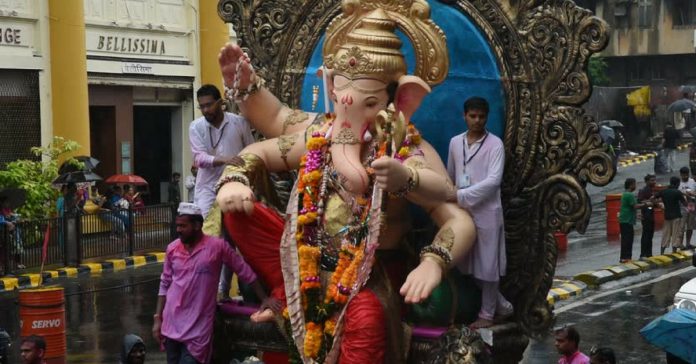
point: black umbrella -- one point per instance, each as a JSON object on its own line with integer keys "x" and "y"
{"x": 88, "y": 162}
{"x": 607, "y": 134}
{"x": 12, "y": 198}
{"x": 681, "y": 105}
{"x": 76, "y": 177}
{"x": 611, "y": 123}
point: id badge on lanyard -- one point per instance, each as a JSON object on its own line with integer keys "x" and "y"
{"x": 465, "y": 180}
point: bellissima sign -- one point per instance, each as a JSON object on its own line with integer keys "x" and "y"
{"x": 136, "y": 44}
{"x": 131, "y": 45}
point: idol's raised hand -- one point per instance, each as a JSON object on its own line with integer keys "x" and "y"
{"x": 233, "y": 61}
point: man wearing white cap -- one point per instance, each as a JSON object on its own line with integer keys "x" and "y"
{"x": 183, "y": 322}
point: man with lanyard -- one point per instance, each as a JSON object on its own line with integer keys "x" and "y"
{"x": 215, "y": 138}
{"x": 476, "y": 161}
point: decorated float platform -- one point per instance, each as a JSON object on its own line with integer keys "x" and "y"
{"x": 529, "y": 58}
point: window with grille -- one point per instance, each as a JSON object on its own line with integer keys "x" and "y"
{"x": 20, "y": 114}
{"x": 645, "y": 13}
{"x": 684, "y": 13}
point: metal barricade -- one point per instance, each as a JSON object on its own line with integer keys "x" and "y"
{"x": 23, "y": 240}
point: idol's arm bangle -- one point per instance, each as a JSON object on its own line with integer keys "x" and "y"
{"x": 246, "y": 173}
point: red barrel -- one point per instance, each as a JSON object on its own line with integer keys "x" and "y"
{"x": 659, "y": 213}
{"x": 561, "y": 241}
{"x": 613, "y": 203}
{"x": 42, "y": 313}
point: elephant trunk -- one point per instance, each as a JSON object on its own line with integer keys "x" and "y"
{"x": 345, "y": 153}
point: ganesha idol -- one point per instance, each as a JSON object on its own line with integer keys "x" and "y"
{"x": 340, "y": 257}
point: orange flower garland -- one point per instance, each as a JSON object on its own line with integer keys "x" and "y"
{"x": 321, "y": 315}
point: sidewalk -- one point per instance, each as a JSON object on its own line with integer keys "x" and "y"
{"x": 640, "y": 158}
{"x": 30, "y": 280}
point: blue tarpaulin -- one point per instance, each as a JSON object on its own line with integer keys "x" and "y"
{"x": 674, "y": 332}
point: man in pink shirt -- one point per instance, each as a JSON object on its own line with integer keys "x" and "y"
{"x": 183, "y": 322}
{"x": 567, "y": 343}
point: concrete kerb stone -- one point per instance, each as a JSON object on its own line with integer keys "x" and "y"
{"x": 593, "y": 279}
{"x": 31, "y": 280}
{"x": 644, "y": 157}
{"x": 623, "y": 270}
{"x": 562, "y": 290}
{"x": 637, "y": 159}
{"x": 661, "y": 260}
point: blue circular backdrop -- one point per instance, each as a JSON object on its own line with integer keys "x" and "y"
{"x": 473, "y": 72}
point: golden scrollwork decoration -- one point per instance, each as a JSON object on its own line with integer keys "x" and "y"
{"x": 553, "y": 150}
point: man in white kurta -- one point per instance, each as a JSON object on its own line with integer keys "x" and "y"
{"x": 476, "y": 162}
{"x": 215, "y": 138}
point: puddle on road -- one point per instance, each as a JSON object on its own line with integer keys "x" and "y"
{"x": 99, "y": 312}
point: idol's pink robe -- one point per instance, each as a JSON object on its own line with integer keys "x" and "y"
{"x": 486, "y": 261}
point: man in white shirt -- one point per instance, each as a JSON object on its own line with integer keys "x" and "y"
{"x": 190, "y": 184}
{"x": 475, "y": 163}
{"x": 216, "y": 138}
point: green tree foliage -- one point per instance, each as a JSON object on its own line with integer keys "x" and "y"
{"x": 597, "y": 70}
{"x": 36, "y": 177}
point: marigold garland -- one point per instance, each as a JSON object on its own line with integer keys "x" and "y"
{"x": 321, "y": 315}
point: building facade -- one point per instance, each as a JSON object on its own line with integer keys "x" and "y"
{"x": 653, "y": 42}
{"x": 23, "y": 83}
{"x": 117, "y": 76}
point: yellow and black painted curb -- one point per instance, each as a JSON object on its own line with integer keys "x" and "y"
{"x": 644, "y": 157}
{"x": 563, "y": 290}
{"x": 637, "y": 159}
{"x": 111, "y": 265}
{"x": 598, "y": 277}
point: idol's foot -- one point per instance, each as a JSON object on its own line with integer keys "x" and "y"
{"x": 480, "y": 324}
{"x": 262, "y": 316}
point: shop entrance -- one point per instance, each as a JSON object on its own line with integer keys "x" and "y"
{"x": 152, "y": 148}
{"x": 102, "y": 131}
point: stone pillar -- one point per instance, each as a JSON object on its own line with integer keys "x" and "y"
{"x": 70, "y": 99}
{"x": 214, "y": 34}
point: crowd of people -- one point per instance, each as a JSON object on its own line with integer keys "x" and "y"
{"x": 32, "y": 350}
{"x": 678, "y": 201}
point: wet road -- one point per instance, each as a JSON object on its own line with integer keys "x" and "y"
{"x": 99, "y": 311}
{"x": 613, "y": 318}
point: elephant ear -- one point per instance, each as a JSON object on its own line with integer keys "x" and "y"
{"x": 409, "y": 94}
